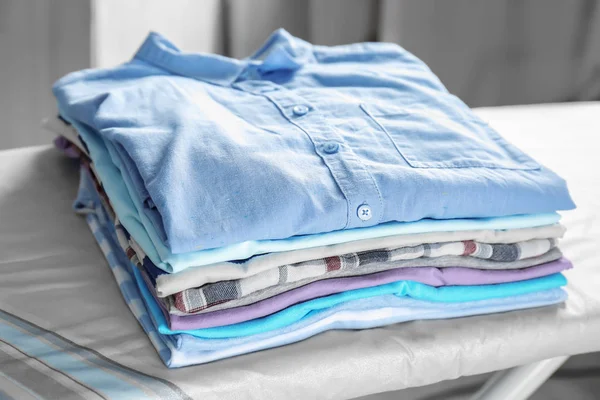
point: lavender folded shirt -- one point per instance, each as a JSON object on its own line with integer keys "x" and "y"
{"x": 428, "y": 275}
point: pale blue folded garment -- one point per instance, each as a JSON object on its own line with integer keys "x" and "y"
{"x": 182, "y": 350}
{"x": 297, "y": 140}
{"x": 128, "y": 208}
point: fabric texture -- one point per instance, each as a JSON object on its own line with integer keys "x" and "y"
{"x": 415, "y": 290}
{"x": 90, "y": 185}
{"x": 308, "y": 289}
{"x": 168, "y": 306}
{"x": 183, "y": 350}
{"x": 91, "y": 191}
{"x": 193, "y": 300}
{"x": 167, "y": 284}
{"x": 441, "y": 262}
{"x": 90, "y": 194}
{"x": 431, "y": 276}
{"x": 341, "y": 115}
{"x": 356, "y": 239}
{"x": 56, "y": 368}
{"x": 295, "y": 313}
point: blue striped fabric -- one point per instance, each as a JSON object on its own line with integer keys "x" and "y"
{"x": 83, "y": 366}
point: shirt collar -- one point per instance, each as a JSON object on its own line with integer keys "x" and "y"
{"x": 159, "y": 51}
{"x": 281, "y": 51}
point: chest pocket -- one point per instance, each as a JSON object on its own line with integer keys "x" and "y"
{"x": 432, "y": 138}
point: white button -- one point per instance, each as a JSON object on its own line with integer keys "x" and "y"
{"x": 300, "y": 110}
{"x": 331, "y": 147}
{"x": 364, "y": 212}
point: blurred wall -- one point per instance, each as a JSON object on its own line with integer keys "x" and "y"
{"x": 487, "y": 52}
{"x": 119, "y": 26}
{"x": 40, "y": 40}
{"x": 491, "y": 52}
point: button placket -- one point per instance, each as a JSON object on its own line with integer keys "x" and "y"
{"x": 364, "y": 204}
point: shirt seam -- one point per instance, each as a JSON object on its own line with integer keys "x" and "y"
{"x": 346, "y": 196}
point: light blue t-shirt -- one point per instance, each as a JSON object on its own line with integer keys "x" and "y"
{"x": 298, "y": 139}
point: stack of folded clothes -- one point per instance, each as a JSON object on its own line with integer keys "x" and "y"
{"x": 248, "y": 204}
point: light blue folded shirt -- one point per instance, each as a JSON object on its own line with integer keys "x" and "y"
{"x": 128, "y": 208}
{"x": 296, "y": 140}
{"x": 181, "y": 350}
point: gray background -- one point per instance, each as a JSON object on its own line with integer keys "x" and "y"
{"x": 488, "y": 52}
